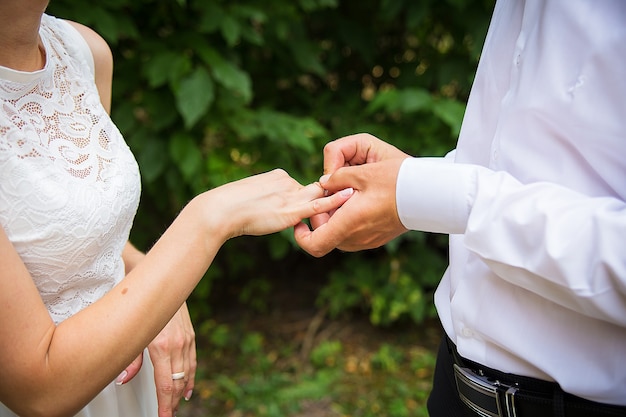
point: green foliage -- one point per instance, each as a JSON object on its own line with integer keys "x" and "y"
{"x": 348, "y": 377}
{"x": 273, "y": 395}
{"x": 387, "y": 358}
{"x": 395, "y": 384}
{"x": 209, "y": 91}
{"x": 392, "y": 283}
{"x": 326, "y": 354}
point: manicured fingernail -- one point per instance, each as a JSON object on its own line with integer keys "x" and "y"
{"x": 346, "y": 192}
{"x": 324, "y": 178}
{"x": 188, "y": 395}
{"x": 120, "y": 379}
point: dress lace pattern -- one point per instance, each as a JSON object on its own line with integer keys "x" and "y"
{"x": 69, "y": 185}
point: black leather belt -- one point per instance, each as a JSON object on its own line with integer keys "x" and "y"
{"x": 491, "y": 393}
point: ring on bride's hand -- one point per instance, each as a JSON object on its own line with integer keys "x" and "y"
{"x": 178, "y": 375}
{"x": 325, "y": 192}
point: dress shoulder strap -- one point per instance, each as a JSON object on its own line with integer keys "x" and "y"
{"x": 76, "y": 45}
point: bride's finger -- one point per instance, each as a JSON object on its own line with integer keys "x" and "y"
{"x": 327, "y": 204}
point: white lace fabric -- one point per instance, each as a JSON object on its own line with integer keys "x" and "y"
{"x": 69, "y": 185}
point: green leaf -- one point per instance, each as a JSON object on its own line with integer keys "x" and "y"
{"x": 306, "y": 56}
{"x": 279, "y": 127}
{"x": 166, "y": 67}
{"x": 152, "y": 161}
{"x": 104, "y": 22}
{"x": 230, "y": 30}
{"x": 211, "y": 16}
{"x": 414, "y": 100}
{"x": 253, "y": 36}
{"x": 194, "y": 96}
{"x": 186, "y": 155}
{"x": 451, "y": 113}
{"x": 232, "y": 78}
{"x": 405, "y": 101}
{"x": 226, "y": 73}
{"x": 249, "y": 12}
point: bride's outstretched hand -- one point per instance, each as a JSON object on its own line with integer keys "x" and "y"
{"x": 267, "y": 203}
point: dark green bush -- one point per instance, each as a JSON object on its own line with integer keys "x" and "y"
{"x": 209, "y": 91}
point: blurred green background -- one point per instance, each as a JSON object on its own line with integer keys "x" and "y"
{"x": 210, "y": 91}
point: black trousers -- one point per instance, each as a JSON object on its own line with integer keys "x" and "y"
{"x": 444, "y": 400}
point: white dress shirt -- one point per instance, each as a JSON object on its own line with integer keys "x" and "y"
{"x": 533, "y": 198}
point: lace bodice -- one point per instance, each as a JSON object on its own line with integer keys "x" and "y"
{"x": 69, "y": 185}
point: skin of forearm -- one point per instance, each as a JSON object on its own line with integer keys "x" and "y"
{"x": 131, "y": 256}
{"x": 115, "y": 329}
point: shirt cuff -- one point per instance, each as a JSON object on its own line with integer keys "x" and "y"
{"x": 433, "y": 194}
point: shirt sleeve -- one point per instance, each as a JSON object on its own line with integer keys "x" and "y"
{"x": 555, "y": 242}
{"x": 429, "y": 196}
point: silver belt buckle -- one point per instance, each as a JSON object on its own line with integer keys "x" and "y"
{"x": 485, "y": 396}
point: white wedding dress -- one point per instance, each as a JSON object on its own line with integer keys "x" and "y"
{"x": 69, "y": 190}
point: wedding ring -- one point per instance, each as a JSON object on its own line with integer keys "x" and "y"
{"x": 178, "y": 375}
